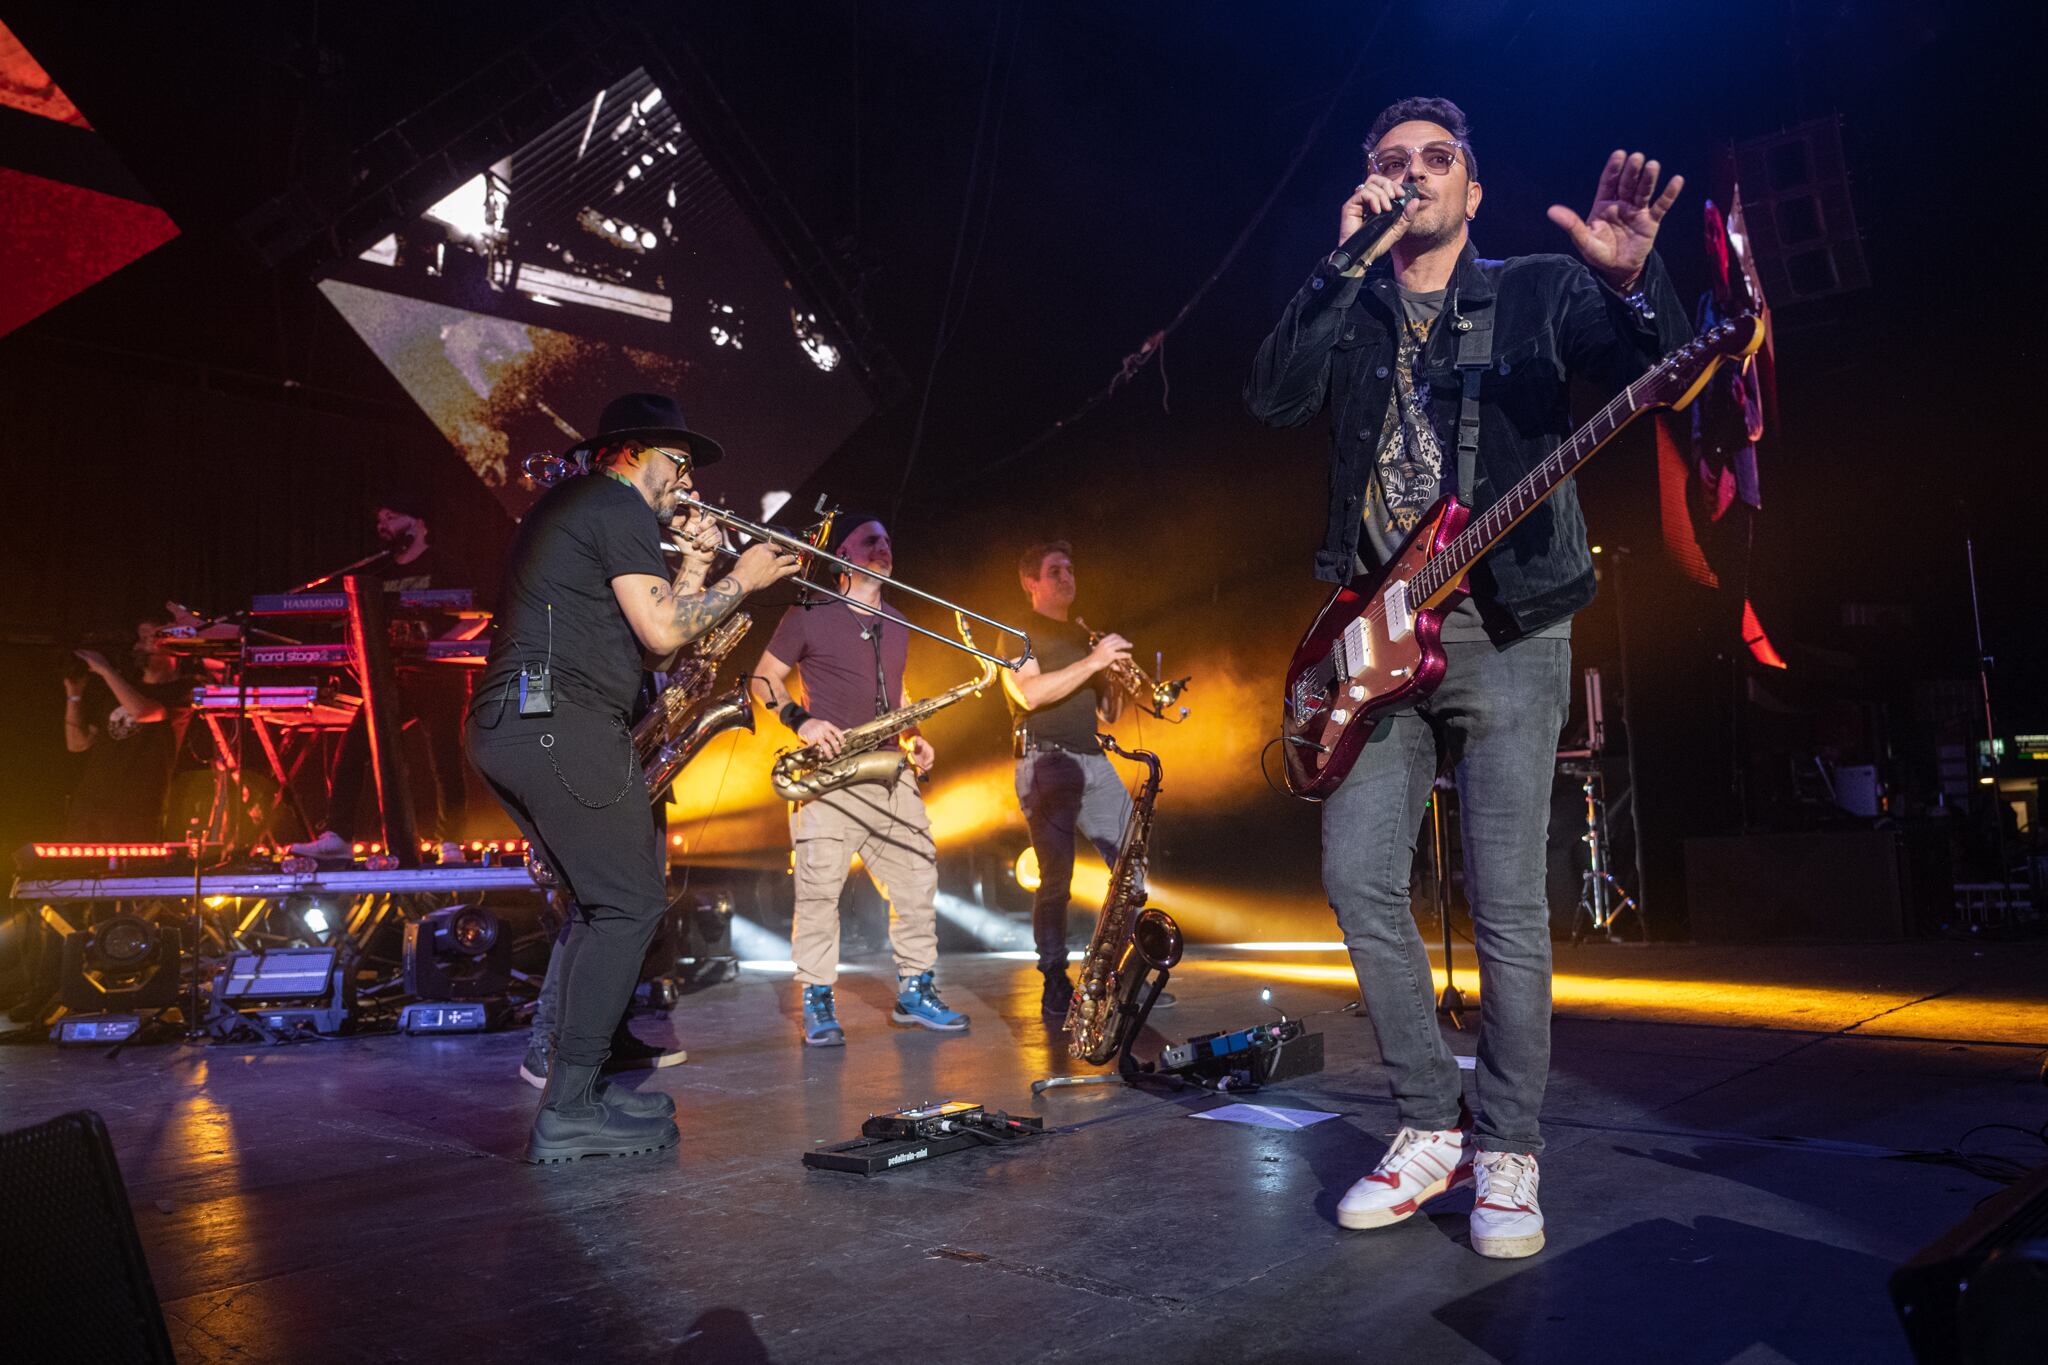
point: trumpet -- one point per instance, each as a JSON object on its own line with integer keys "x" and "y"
{"x": 803, "y": 548}
{"x": 1153, "y": 698}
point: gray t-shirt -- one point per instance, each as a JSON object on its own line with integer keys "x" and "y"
{"x": 1470, "y": 621}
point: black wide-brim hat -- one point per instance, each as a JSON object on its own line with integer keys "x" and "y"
{"x": 652, "y": 418}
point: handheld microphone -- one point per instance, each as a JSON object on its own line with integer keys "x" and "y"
{"x": 1374, "y": 228}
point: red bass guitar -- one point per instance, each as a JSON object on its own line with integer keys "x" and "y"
{"x": 1374, "y": 647}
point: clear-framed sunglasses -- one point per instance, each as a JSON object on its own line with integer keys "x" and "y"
{"x": 1435, "y": 157}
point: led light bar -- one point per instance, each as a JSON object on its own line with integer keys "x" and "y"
{"x": 103, "y": 850}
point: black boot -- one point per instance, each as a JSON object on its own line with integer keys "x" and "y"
{"x": 575, "y": 1122}
{"x": 534, "y": 1071}
{"x": 1058, "y": 995}
{"x": 639, "y": 1104}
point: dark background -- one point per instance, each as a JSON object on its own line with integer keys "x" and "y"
{"x": 1018, "y": 196}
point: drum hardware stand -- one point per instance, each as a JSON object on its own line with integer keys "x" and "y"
{"x": 1451, "y": 1003}
{"x": 1603, "y": 900}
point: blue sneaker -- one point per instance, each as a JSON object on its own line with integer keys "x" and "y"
{"x": 917, "y": 1002}
{"x": 821, "y": 1025}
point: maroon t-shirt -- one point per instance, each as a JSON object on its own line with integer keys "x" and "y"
{"x": 840, "y": 669}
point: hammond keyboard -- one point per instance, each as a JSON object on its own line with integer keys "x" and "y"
{"x": 422, "y": 600}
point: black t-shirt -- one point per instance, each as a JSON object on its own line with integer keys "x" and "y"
{"x": 1070, "y": 721}
{"x": 414, "y": 576}
{"x": 121, "y": 793}
{"x": 557, "y": 606}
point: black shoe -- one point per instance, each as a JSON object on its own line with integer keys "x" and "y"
{"x": 1164, "y": 1002}
{"x": 533, "y": 1068}
{"x": 575, "y": 1121}
{"x": 1058, "y": 997}
{"x": 629, "y": 1053}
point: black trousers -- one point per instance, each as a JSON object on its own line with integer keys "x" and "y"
{"x": 569, "y": 781}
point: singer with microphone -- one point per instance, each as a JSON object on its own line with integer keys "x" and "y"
{"x": 1450, "y": 374}
{"x": 849, "y": 661}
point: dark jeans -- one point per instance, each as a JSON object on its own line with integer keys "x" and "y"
{"x": 1496, "y": 718}
{"x": 434, "y": 702}
{"x": 570, "y": 783}
{"x": 1062, "y": 794}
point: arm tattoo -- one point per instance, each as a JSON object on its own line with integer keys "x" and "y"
{"x": 696, "y": 613}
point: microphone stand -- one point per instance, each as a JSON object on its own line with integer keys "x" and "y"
{"x": 364, "y": 562}
{"x": 1990, "y": 728}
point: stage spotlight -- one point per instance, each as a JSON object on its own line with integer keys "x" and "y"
{"x": 289, "y": 989}
{"x": 1025, "y": 869}
{"x": 122, "y": 963}
{"x": 692, "y": 947}
{"x": 314, "y": 917}
{"x": 458, "y": 953}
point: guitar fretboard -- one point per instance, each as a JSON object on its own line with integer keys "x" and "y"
{"x": 1488, "y": 527}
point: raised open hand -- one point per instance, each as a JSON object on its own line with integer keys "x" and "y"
{"x": 1615, "y": 236}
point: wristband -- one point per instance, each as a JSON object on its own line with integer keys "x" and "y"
{"x": 74, "y": 696}
{"x": 793, "y": 716}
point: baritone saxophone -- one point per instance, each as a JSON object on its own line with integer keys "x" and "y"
{"x": 1129, "y": 942}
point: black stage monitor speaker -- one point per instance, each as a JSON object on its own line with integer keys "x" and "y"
{"x": 1978, "y": 1294}
{"x": 77, "y": 1286}
{"x": 1843, "y": 884}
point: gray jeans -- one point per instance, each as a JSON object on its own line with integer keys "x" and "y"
{"x": 1496, "y": 718}
{"x": 1062, "y": 794}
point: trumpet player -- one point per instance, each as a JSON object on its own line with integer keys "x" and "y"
{"x": 850, "y": 658}
{"x": 1058, "y": 700}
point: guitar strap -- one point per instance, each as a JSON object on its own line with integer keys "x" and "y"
{"x": 1475, "y": 357}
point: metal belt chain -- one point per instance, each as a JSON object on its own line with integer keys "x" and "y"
{"x": 547, "y": 743}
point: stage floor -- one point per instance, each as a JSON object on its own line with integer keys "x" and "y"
{"x": 1712, "y": 1184}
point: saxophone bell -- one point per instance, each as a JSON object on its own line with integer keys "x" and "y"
{"x": 733, "y": 711}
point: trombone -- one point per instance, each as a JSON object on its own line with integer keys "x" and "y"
{"x": 797, "y": 545}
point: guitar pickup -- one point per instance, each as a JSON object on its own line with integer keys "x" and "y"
{"x": 1398, "y": 619}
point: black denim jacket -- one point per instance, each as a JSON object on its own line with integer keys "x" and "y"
{"x": 1552, "y": 321}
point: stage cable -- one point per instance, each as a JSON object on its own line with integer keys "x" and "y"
{"x": 995, "y": 95}
{"x": 1154, "y": 344}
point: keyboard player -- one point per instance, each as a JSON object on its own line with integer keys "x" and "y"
{"x": 432, "y": 699}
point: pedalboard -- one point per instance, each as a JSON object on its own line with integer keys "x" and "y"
{"x": 909, "y": 1136}
{"x": 1245, "y": 1059}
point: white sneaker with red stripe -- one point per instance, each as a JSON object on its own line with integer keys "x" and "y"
{"x": 1506, "y": 1220}
{"x": 1416, "y": 1169}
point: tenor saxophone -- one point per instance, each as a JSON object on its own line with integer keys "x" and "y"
{"x": 866, "y": 751}
{"x": 1112, "y": 968}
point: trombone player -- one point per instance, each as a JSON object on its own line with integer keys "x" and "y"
{"x": 851, "y": 655}
{"x": 587, "y": 597}
{"x": 1058, "y": 700}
